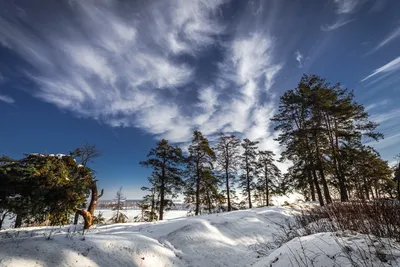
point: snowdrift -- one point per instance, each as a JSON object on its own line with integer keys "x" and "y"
{"x": 239, "y": 238}
{"x": 225, "y": 239}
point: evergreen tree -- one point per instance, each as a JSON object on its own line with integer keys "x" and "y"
{"x": 227, "y": 155}
{"x": 318, "y": 121}
{"x": 269, "y": 174}
{"x": 166, "y": 162}
{"x": 43, "y": 188}
{"x": 248, "y": 167}
{"x": 200, "y": 159}
{"x": 118, "y": 206}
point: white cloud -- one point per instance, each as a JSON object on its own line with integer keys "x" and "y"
{"x": 114, "y": 64}
{"x": 7, "y": 99}
{"x": 387, "y": 68}
{"x": 346, "y": 6}
{"x": 299, "y": 58}
{"x": 390, "y": 37}
{"x": 339, "y": 23}
{"x": 124, "y": 67}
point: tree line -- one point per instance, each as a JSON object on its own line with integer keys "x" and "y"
{"x": 323, "y": 132}
{"x": 207, "y": 176}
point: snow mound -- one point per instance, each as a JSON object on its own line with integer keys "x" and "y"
{"x": 225, "y": 239}
{"x": 334, "y": 249}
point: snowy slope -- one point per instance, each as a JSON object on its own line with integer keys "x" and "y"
{"x": 214, "y": 240}
{"x": 239, "y": 238}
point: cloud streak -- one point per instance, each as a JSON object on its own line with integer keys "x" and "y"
{"x": 389, "y": 38}
{"x": 339, "y": 23}
{"x": 387, "y": 68}
{"x": 7, "y": 99}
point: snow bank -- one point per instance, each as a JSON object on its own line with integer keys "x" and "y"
{"x": 212, "y": 240}
{"x": 334, "y": 249}
{"x": 239, "y": 238}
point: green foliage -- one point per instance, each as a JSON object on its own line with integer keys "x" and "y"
{"x": 166, "y": 162}
{"x": 201, "y": 184}
{"x": 99, "y": 219}
{"x": 318, "y": 123}
{"x": 41, "y": 188}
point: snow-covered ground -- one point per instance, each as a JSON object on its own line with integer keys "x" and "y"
{"x": 107, "y": 214}
{"x": 239, "y": 238}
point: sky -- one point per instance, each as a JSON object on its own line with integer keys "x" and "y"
{"x": 124, "y": 74}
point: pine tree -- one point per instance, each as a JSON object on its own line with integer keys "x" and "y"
{"x": 200, "y": 159}
{"x": 227, "y": 152}
{"x": 248, "y": 167}
{"x": 318, "y": 121}
{"x": 118, "y": 206}
{"x": 269, "y": 174}
{"x": 166, "y": 162}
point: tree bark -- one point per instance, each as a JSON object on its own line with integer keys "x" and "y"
{"x": 18, "y": 221}
{"x": 162, "y": 192}
{"x": 311, "y": 184}
{"x": 227, "y": 189}
{"x": 197, "y": 189}
{"x": 89, "y": 213}
{"x": 248, "y": 188}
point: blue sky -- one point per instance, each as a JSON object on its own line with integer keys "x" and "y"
{"x": 122, "y": 74}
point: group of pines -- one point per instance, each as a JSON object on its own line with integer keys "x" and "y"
{"x": 322, "y": 131}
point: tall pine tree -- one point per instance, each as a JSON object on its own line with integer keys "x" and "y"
{"x": 166, "y": 161}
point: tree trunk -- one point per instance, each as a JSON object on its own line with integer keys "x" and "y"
{"x": 89, "y": 213}
{"x": 162, "y": 191}
{"x": 266, "y": 186}
{"x": 321, "y": 172}
{"x": 18, "y": 221}
{"x": 319, "y": 193}
{"x": 398, "y": 182}
{"x": 227, "y": 189}
{"x": 209, "y": 201}
{"x": 248, "y": 188}
{"x": 197, "y": 189}
{"x": 311, "y": 184}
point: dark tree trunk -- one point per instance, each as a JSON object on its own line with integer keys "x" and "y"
{"x": 209, "y": 201}
{"x": 197, "y": 189}
{"x": 18, "y": 221}
{"x": 248, "y": 188}
{"x": 311, "y": 184}
{"x": 227, "y": 189}
{"x": 398, "y": 182}
{"x": 321, "y": 173}
{"x": 266, "y": 186}
{"x": 319, "y": 193}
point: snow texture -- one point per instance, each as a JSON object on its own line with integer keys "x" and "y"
{"x": 239, "y": 238}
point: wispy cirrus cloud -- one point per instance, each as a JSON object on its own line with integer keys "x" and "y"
{"x": 336, "y": 25}
{"x": 7, "y": 99}
{"x": 385, "y": 69}
{"x": 299, "y": 58}
{"x": 346, "y": 6}
{"x": 389, "y": 38}
{"x": 128, "y": 67}
{"x": 113, "y": 63}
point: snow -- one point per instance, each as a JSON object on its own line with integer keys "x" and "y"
{"x": 334, "y": 249}
{"x": 238, "y": 238}
{"x": 15, "y": 196}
